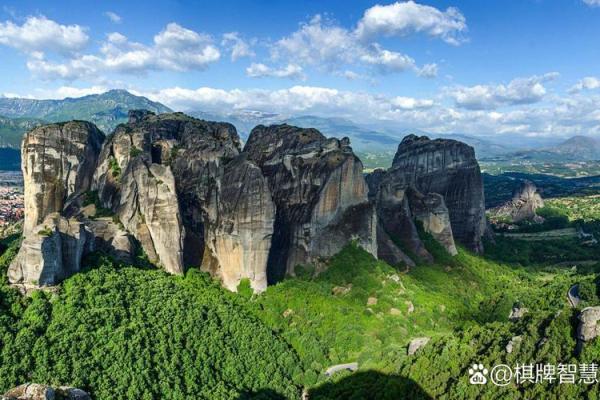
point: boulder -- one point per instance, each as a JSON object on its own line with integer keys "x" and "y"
{"x": 34, "y": 391}
{"x": 514, "y": 342}
{"x": 588, "y": 328}
{"x": 416, "y": 344}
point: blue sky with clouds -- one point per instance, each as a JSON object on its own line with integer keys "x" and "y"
{"x": 528, "y": 67}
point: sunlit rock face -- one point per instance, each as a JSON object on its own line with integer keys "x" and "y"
{"x": 58, "y": 163}
{"x": 319, "y": 192}
{"x": 161, "y": 175}
{"x": 449, "y": 168}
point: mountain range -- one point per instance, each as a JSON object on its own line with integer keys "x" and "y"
{"x": 105, "y": 110}
{"x": 375, "y": 144}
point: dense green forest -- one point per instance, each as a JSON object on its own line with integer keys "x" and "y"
{"x": 136, "y": 332}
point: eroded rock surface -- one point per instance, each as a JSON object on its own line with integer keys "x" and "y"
{"x": 58, "y": 163}
{"x": 34, "y": 391}
{"x": 319, "y": 192}
{"x": 588, "y": 328}
{"x": 449, "y": 168}
{"x": 523, "y": 205}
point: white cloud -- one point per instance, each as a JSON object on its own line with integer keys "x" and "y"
{"x": 388, "y": 61}
{"x": 322, "y": 43}
{"x": 403, "y": 18}
{"x": 587, "y": 83}
{"x": 291, "y": 71}
{"x": 593, "y": 3}
{"x": 40, "y": 34}
{"x": 296, "y": 99}
{"x": 518, "y": 91}
{"x": 175, "y": 48}
{"x": 428, "y": 71}
{"x": 114, "y": 17}
{"x": 237, "y": 46}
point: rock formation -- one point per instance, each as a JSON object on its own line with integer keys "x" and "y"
{"x": 58, "y": 162}
{"x": 319, "y": 192}
{"x": 34, "y": 391}
{"x": 449, "y": 168}
{"x": 588, "y": 328}
{"x": 525, "y": 201}
{"x": 183, "y": 190}
{"x": 431, "y": 211}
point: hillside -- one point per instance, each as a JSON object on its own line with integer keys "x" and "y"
{"x": 12, "y": 129}
{"x": 106, "y": 110}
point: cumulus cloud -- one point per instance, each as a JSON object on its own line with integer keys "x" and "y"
{"x": 291, "y": 71}
{"x": 587, "y": 83}
{"x": 113, "y": 17}
{"x": 322, "y": 43}
{"x": 517, "y": 92}
{"x": 175, "y": 48}
{"x": 403, "y": 18}
{"x": 39, "y": 34}
{"x": 593, "y": 3}
{"x": 293, "y": 100}
{"x": 428, "y": 71}
{"x": 237, "y": 46}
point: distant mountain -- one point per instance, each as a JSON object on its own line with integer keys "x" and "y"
{"x": 579, "y": 147}
{"x": 11, "y": 130}
{"x": 576, "y": 148}
{"x": 106, "y": 110}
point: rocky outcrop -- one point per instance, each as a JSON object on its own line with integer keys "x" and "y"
{"x": 241, "y": 228}
{"x": 417, "y": 344}
{"x": 58, "y": 163}
{"x": 161, "y": 174}
{"x": 525, "y": 201}
{"x": 34, "y": 391}
{"x": 449, "y": 168}
{"x": 588, "y": 328}
{"x": 319, "y": 192}
{"x": 430, "y": 210}
{"x": 50, "y": 252}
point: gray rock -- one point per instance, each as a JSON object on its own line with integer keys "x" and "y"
{"x": 514, "y": 342}
{"x": 241, "y": 230}
{"x": 517, "y": 312}
{"x": 449, "y": 168}
{"x": 588, "y": 324}
{"x": 430, "y": 209}
{"x": 523, "y": 205}
{"x": 58, "y": 163}
{"x": 34, "y": 391}
{"x": 51, "y": 252}
{"x": 416, "y": 344}
{"x": 319, "y": 192}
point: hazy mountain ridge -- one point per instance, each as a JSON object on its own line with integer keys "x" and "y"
{"x": 106, "y": 110}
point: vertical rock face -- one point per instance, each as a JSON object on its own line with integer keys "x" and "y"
{"x": 241, "y": 228}
{"x": 431, "y": 211}
{"x": 160, "y": 174}
{"x": 449, "y": 168}
{"x": 58, "y": 162}
{"x": 51, "y": 252}
{"x": 318, "y": 190}
{"x": 525, "y": 201}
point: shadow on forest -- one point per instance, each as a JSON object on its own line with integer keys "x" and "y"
{"x": 367, "y": 385}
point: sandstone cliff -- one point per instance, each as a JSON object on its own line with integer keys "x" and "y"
{"x": 523, "y": 205}
{"x": 449, "y": 168}
{"x": 319, "y": 192}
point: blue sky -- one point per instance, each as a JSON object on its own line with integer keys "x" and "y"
{"x": 528, "y": 67}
